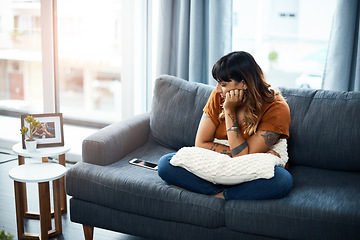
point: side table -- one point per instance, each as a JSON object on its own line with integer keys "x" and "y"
{"x": 40, "y": 173}
{"x": 44, "y": 153}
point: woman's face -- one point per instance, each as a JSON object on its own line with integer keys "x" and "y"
{"x": 224, "y": 87}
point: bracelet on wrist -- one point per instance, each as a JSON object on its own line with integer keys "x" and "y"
{"x": 235, "y": 129}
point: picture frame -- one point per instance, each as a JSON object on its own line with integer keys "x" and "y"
{"x": 50, "y": 133}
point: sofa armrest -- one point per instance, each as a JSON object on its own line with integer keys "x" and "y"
{"x": 112, "y": 143}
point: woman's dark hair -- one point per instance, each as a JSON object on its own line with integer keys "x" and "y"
{"x": 240, "y": 66}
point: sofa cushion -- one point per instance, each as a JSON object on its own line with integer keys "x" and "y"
{"x": 92, "y": 214}
{"x": 325, "y": 128}
{"x": 323, "y": 204}
{"x": 176, "y": 110}
{"x": 133, "y": 189}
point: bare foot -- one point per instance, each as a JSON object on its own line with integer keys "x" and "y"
{"x": 220, "y": 195}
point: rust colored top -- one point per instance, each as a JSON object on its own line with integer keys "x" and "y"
{"x": 275, "y": 116}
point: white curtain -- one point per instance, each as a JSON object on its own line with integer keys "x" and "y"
{"x": 193, "y": 35}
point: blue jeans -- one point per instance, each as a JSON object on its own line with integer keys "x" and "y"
{"x": 277, "y": 187}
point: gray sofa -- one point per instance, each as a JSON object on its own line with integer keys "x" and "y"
{"x": 324, "y": 151}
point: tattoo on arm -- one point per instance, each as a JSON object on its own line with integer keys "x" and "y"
{"x": 235, "y": 126}
{"x": 270, "y": 137}
{"x": 239, "y": 149}
{"x": 233, "y": 119}
{"x": 226, "y": 152}
{"x": 213, "y": 148}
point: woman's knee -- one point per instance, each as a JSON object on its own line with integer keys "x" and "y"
{"x": 283, "y": 180}
{"x": 164, "y": 165}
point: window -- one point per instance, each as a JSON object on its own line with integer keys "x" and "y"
{"x": 288, "y": 38}
{"x": 101, "y": 52}
{"x": 102, "y": 59}
{"x": 21, "y": 87}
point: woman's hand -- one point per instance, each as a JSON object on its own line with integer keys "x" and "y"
{"x": 234, "y": 98}
{"x": 273, "y": 153}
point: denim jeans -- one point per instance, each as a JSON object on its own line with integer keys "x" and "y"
{"x": 277, "y": 187}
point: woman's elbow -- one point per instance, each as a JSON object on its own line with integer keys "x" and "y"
{"x": 200, "y": 143}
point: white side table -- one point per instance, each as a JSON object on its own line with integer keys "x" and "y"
{"x": 40, "y": 173}
{"x": 44, "y": 153}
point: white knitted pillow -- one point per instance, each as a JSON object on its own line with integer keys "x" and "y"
{"x": 222, "y": 169}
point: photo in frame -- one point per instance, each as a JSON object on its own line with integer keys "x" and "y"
{"x": 50, "y": 133}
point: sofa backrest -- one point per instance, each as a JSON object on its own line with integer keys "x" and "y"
{"x": 176, "y": 110}
{"x": 325, "y": 128}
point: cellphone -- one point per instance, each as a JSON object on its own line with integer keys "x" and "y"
{"x": 145, "y": 164}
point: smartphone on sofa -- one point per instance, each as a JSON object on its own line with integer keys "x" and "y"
{"x": 142, "y": 163}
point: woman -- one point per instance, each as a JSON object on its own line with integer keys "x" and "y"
{"x": 251, "y": 116}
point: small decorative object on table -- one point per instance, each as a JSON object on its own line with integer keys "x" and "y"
{"x": 30, "y": 142}
{"x": 5, "y": 236}
{"x": 46, "y": 129}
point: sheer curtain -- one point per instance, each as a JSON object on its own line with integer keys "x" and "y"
{"x": 342, "y": 69}
{"x": 193, "y": 35}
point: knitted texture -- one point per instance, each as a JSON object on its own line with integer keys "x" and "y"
{"x": 222, "y": 169}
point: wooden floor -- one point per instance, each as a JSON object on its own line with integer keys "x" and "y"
{"x": 71, "y": 231}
